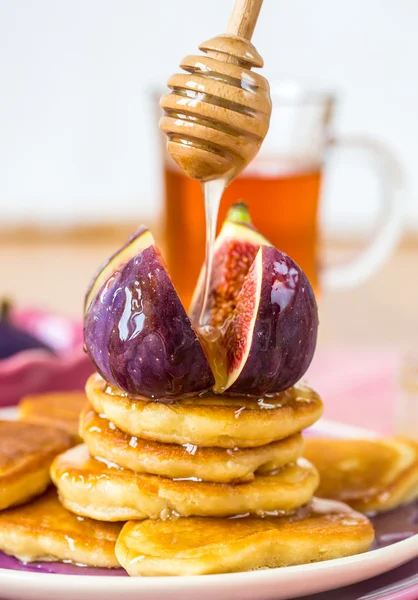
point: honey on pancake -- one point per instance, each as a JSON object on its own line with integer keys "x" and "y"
{"x": 269, "y": 401}
{"x": 320, "y": 530}
{"x": 212, "y": 420}
{"x": 44, "y": 530}
{"x": 362, "y": 473}
{"x": 184, "y": 461}
{"x": 57, "y": 409}
{"x": 101, "y": 490}
{"x": 216, "y": 354}
{"x": 370, "y": 475}
{"x": 22, "y": 441}
{"x": 26, "y": 452}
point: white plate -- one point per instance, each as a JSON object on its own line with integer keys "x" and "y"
{"x": 269, "y": 584}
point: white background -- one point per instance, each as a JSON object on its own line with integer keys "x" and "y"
{"x": 77, "y": 135}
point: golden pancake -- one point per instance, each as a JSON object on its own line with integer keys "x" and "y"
{"x": 44, "y": 531}
{"x": 58, "y": 409}
{"x": 320, "y": 531}
{"x": 104, "y": 491}
{"x": 222, "y": 465}
{"x": 370, "y": 475}
{"x": 208, "y": 420}
{"x": 26, "y": 452}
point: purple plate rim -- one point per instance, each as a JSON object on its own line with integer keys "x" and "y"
{"x": 317, "y": 566}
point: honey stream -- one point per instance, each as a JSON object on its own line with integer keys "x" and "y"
{"x": 212, "y": 193}
{"x": 210, "y": 336}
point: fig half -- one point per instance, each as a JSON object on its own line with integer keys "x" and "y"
{"x": 137, "y": 332}
{"x": 264, "y": 307}
{"x": 270, "y": 338}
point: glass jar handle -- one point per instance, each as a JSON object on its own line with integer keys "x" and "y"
{"x": 392, "y": 201}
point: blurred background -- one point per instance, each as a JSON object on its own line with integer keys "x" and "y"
{"x": 80, "y": 163}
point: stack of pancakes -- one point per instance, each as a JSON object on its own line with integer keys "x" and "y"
{"x": 182, "y": 473}
{"x": 207, "y": 484}
{"x": 207, "y": 456}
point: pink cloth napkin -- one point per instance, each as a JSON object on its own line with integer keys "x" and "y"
{"x": 37, "y": 371}
{"x": 358, "y": 386}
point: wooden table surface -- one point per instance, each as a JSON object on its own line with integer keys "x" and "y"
{"x": 54, "y": 275}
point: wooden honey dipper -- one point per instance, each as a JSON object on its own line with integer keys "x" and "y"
{"x": 218, "y": 112}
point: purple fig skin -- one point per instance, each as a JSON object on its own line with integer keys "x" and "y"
{"x": 285, "y": 331}
{"x": 132, "y": 238}
{"x": 139, "y": 336}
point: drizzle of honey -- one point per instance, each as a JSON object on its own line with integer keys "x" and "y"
{"x": 212, "y": 193}
{"x": 210, "y": 336}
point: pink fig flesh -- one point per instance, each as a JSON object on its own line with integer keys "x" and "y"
{"x": 235, "y": 250}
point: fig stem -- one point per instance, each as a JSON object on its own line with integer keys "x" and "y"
{"x": 239, "y": 213}
{"x": 5, "y": 307}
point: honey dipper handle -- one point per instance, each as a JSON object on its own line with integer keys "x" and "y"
{"x": 244, "y": 18}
